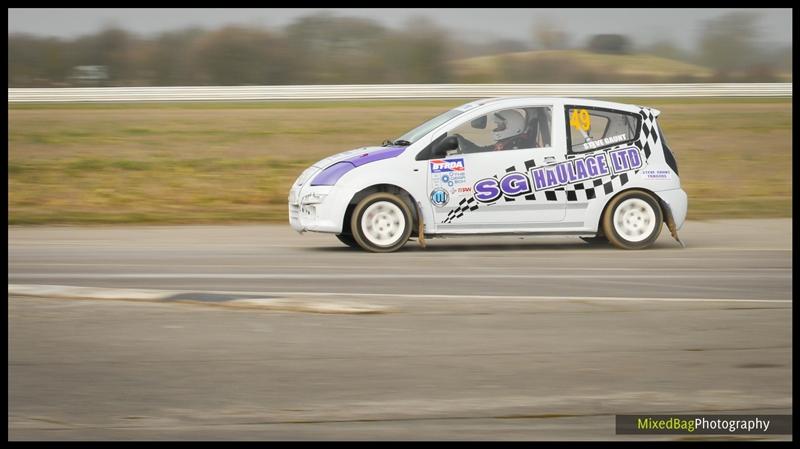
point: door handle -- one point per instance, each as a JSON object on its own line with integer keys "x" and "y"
{"x": 549, "y": 159}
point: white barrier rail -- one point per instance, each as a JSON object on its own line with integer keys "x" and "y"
{"x": 399, "y": 91}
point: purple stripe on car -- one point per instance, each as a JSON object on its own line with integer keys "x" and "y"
{"x": 331, "y": 174}
{"x": 375, "y": 155}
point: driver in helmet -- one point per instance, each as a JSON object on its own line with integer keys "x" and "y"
{"x": 509, "y": 130}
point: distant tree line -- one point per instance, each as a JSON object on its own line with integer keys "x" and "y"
{"x": 328, "y": 49}
{"x": 317, "y": 49}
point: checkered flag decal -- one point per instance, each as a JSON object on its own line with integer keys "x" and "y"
{"x": 466, "y": 204}
{"x": 582, "y": 191}
{"x": 591, "y": 189}
{"x": 648, "y": 138}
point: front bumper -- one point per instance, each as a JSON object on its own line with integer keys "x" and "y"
{"x": 318, "y": 208}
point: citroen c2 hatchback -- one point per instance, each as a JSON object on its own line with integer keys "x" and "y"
{"x": 598, "y": 170}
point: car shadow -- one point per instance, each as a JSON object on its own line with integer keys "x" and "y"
{"x": 511, "y": 246}
{"x": 441, "y": 246}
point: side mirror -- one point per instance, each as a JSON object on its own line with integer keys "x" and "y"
{"x": 440, "y": 150}
{"x": 479, "y": 123}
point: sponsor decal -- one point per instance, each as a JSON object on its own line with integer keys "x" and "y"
{"x": 546, "y": 177}
{"x": 487, "y": 190}
{"x": 574, "y": 170}
{"x": 604, "y": 142}
{"x": 656, "y": 174}
{"x": 440, "y": 197}
{"x": 450, "y": 181}
{"x": 625, "y": 159}
{"x": 447, "y": 165}
{"x": 450, "y": 175}
{"x": 513, "y": 184}
{"x": 445, "y": 179}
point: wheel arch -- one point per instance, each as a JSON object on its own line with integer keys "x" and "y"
{"x": 388, "y": 188}
{"x": 665, "y": 210}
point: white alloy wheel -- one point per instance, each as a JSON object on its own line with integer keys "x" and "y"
{"x": 634, "y": 220}
{"x": 383, "y": 223}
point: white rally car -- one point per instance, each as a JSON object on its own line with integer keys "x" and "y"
{"x": 598, "y": 170}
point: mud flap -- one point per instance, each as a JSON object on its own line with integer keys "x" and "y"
{"x": 421, "y": 229}
{"x": 671, "y": 223}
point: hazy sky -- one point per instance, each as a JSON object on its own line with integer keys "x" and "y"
{"x": 682, "y": 26}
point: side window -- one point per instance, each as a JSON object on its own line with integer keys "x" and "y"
{"x": 594, "y": 128}
{"x": 507, "y": 129}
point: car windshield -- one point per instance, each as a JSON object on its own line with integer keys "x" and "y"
{"x": 423, "y": 129}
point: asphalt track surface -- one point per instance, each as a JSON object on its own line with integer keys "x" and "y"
{"x": 499, "y": 338}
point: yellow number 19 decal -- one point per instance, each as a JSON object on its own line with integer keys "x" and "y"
{"x": 580, "y": 119}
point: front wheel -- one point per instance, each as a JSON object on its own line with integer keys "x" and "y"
{"x": 632, "y": 220}
{"x": 381, "y": 223}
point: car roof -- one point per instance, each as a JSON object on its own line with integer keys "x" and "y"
{"x": 520, "y": 101}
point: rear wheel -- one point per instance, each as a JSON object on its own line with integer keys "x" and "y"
{"x": 348, "y": 240}
{"x": 632, "y": 220}
{"x": 381, "y": 223}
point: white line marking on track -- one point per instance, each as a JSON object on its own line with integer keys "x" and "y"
{"x": 496, "y": 297}
{"x": 44, "y": 289}
{"x": 391, "y": 267}
{"x": 362, "y": 276}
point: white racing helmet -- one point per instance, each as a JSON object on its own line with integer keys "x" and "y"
{"x": 509, "y": 123}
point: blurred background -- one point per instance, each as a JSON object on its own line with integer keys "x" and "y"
{"x": 234, "y": 161}
{"x": 61, "y": 48}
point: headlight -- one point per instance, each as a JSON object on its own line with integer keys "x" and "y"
{"x": 313, "y": 198}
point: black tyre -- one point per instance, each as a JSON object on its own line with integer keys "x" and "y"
{"x": 597, "y": 240}
{"x": 632, "y": 220}
{"x": 348, "y": 240}
{"x": 381, "y": 223}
